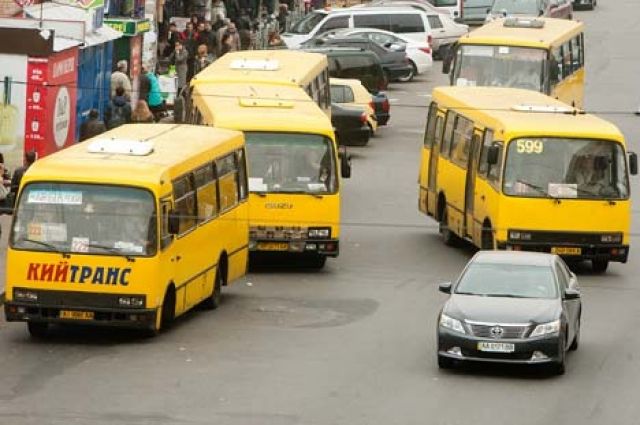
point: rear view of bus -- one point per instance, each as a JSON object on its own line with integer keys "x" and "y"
{"x": 541, "y": 54}
{"x": 293, "y": 164}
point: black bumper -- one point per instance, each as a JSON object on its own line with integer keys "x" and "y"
{"x": 326, "y": 247}
{"x": 354, "y": 137}
{"x": 382, "y": 117}
{"x": 397, "y": 72}
{"x": 615, "y": 253}
{"x": 42, "y": 313}
{"x": 524, "y": 348}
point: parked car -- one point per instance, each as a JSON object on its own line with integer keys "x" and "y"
{"x": 453, "y": 7}
{"x": 350, "y": 125}
{"x": 444, "y": 29}
{"x": 475, "y": 11}
{"x": 407, "y": 21}
{"x": 394, "y": 62}
{"x": 530, "y": 8}
{"x": 352, "y": 94}
{"x": 419, "y": 53}
{"x": 584, "y": 4}
{"x": 512, "y": 307}
{"x": 345, "y": 62}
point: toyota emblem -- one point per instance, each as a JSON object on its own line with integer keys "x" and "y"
{"x": 496, "y": 332}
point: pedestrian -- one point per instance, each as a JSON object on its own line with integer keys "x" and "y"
{"x": 5, "y": 188}
{"x": 235, "y": 37}
{"x": 173, "y": 36}
{"x": 210, "y": 39}
{"x": 142, "y": 113}
{"x": 218, "y": 12}
{"x": 202, "y": 60}
{"x": 154, "y": 99}
{"x": 29, "y": 158}
{"x": 222, "y": 29}
{"x": 179, "y": 58}
{"x": 274, "y": 39}
{"x": 119, "y": 78}
{"x": 144, "y": 85}
{"x": 226, "y": 44}
{"x": 119, "y": 110}
{"x": 93, "y": 126}
{"x": 188, "y": 38}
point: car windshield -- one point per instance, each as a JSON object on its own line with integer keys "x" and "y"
{"x": 500, "y": 66}
{"x": 85, "y": 218}
{"x": 308, "y": 23}
{"x": 290, "y": 162}
{"x": 477, "y": 3}
{"x": 565, "y": 168}
{"x": 519, "y": 7}
{"x": 445, "y": 3}
{"x": 507, "y": 280}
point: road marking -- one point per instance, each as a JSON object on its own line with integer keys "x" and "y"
{"x": 393, "y": 100}
{"x": 424, "y": 95}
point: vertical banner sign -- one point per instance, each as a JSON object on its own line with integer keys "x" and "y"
{"x": 13, "y": 89}
{"x": 135, "y": 65}
{"x": 35, "y": 115}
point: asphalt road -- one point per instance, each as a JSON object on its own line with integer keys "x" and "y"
{"x": 353, "y": 344}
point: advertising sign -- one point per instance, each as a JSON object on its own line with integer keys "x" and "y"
{"x": 13, "y": 89}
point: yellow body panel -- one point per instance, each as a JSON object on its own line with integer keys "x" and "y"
{"x": 188, "y": 262}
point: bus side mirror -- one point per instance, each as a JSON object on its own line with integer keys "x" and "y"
{"x": 345, "y": 165}
{"x": 633, "y": 163}
{"x": 174, "y": 223}
{"x": 492, "y": 155}
{"x": 447, "y": 58}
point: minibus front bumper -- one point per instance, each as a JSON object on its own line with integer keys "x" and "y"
{"x": 608, "y": 252}
{"x": 78, "y": 308}
{"x": 326, "y": 247}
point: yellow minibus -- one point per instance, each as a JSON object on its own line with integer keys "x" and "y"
{"x": 541, "y": 54}
{"x": 515, "y": 169}
{"x": 129, "y": 228}
{"x": 294, "y": 165}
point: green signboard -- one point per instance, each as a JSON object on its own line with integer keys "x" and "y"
{"x": 129, "y": 27}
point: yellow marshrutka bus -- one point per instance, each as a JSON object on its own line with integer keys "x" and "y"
{"x": 515, "y": 169}
{"x": 131, "y": 228}
{"x": 294, "y": 165}
{"x": 309, "y": 71}
{"x": 541, "y": 54}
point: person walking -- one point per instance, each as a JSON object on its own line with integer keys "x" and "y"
{"x": 172, "y": 37}
{"x": 29, "y": 158}
{"x": 93, "y": 126}
{"x": 119, "y": 110}
{"x": 188, "y": 38}
{"x": 235, "y": 37}
{"x": 119, "y": 78}
{"x": 154, "y": 97}
{"x": 141, "y": 113}
{"x": 203, "y": 59}
{"x": 179, "y": 57}
{"x": 220, "y": 34}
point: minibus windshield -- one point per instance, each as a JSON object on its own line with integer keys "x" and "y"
{"x": 85, "y": 218}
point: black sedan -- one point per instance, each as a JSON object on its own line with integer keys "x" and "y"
{"x": 586, "y": 4}
{"x": 350, "y": 125}
{"x": 511, "y": 307}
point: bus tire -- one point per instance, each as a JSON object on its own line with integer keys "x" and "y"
{"x": 168, "y": 310}
{"x": 448, "y": 237}
{"x": 599, "y": 265}
{"x": 213, "y": 301}
{"x": 317, "y": 262}
{"x": 487, "y": 242}
{"x": 38, "y": 330}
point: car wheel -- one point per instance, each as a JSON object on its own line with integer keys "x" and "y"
{"x": 558, "y": 368}
{"x": 445, "y": 362}
{"x": 38, "y": 329}
{"x": 599, "y": 266}
{"x": 576, "y": 339}
{"x": 413, "y": 73}
{"x": 448, "y": 237}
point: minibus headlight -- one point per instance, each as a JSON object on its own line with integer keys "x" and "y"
{"x": 319, "y": 232}
{"x": 611, "y": 238}
{"x": 134, "y": 301}
{"x": 25, "y": 295}
{"x": 519, "y": 236}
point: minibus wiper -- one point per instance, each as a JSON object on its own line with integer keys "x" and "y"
{"x": 302, "y": 192}
{"x": 51, "y": 246}
{"x": 112, "y": 250}
{"x": 261, "y": 194}
{"x": 537, "y": 188}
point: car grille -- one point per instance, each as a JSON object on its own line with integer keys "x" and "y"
{"x": 278, "y": 232}
{"x": 508, "y": 331}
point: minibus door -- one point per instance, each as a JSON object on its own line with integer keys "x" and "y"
{"x": 432, "y": 194}
{"x": 470, "y": 185}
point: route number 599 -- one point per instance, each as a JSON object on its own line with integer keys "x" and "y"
{"x": 530, "y": 146}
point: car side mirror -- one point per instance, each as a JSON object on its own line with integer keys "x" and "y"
{"x": 445, "y": 287}
{"x": 571, "y": 294}
{"x": 633, "y": 163}
{"x": 174, "y": 223}
{"x": 492, "y": 155}
{"x": 458, "y": 20}
{"x": 345, "y": 165}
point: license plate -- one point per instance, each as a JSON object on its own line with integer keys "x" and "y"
{"x": 76, "y": 315}
{"x": 273, "y": 246}
{"x": 565, "y": 250}
{"x": 496, "y": 347}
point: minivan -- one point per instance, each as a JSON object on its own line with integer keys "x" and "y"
{"x": 453, "y": 7}
{"x": 530, "y": 8}
{"x": 411, "y": 23}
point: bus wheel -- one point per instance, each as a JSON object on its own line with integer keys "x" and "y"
{"x": 317, "y": 262}
{"x": 38, "y": 329}
{"x": 448, "y": 237}
{"x": 214, "y": 299}
{"x": 487, "y": 239}
{"x": 599, "y": 265}
{"x": 168, "y": 309}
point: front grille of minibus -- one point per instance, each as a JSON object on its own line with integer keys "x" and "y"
{"x": 278, "y": 232}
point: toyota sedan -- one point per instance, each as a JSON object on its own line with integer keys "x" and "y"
{"x": 511, "y": 307}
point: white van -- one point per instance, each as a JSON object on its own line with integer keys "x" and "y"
{"x": 409, "y": 22}
{"x": 453, "y": 7}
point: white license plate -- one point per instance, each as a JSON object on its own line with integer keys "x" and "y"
{"x": 496, "y": 347}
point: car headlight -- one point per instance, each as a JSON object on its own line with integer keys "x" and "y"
{"x": 134, "y": 301}
{"x": 546, "y": 329}
{"x": 611, "y": 238}
{"x": 25, "y": 295}
{"x": 451, "y": 323}
{"x": 319, "y": 232}
{"x": 519, "y": 236}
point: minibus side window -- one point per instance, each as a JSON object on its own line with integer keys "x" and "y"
{"x": 448, "y": 134}
{"x": 185, "y": 200}
{"x": 430, "y": 132}
{"x": 243, "y": 190}
{"x": 487, "y": 141}
{"x": 461, "y": 140}
{"x": 227, "y": 181}
{"x": 165, "y": 237}
{"x": 496, "y": 170}
{"x": 207, "y": 195}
